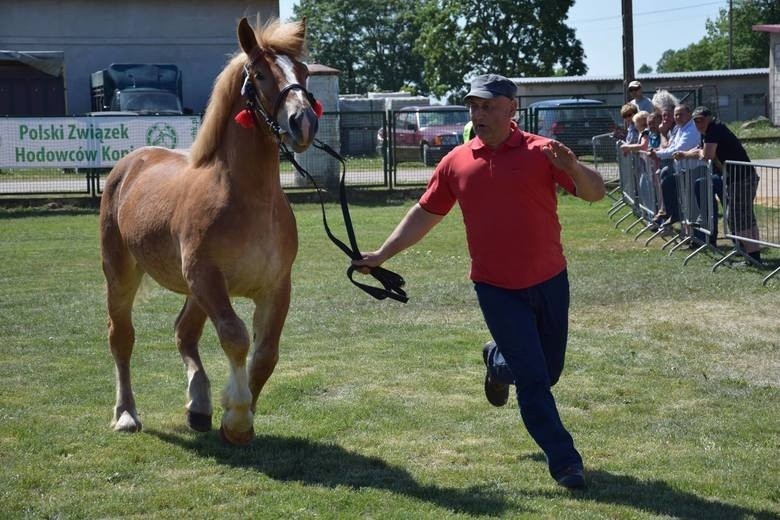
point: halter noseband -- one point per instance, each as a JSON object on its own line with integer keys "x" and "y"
{"x": 255, "y": 106}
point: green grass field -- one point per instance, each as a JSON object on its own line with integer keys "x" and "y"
{"x": 376, "y": 409}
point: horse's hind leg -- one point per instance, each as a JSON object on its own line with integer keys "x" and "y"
{"x": 267, "y": 323}
{"x": 122, "y": 280}
{"x": 189, "y": 327}
{"x": 207, "y": 285}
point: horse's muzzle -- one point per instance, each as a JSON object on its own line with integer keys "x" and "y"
{"x": 301, "y": 129}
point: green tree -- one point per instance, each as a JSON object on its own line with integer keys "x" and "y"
{"x": 749, "y": 48}
{"x": 460, "y": 39}
{"x": 433, "y": 46}
{"x": 645, "y": 69}
{"x": 371, "y": 42}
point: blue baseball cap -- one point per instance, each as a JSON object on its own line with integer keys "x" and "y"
{"x": 489, "y": 86}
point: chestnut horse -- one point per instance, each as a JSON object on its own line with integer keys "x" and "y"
{"x": 213, "y": 225}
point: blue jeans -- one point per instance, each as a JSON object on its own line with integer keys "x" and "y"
{"x": 530, "y": 327}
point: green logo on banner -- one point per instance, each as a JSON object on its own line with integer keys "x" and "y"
{"x": 161, "y": 134}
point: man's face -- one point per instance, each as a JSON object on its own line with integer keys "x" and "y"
{"x": 681, "y": 115}
{"x": 491, "y": 117}
{"x": 635, "y": 92}
{"x": 653, "y": 122}
{"x": 702, "y": 123}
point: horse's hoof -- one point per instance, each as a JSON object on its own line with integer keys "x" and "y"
{"x": 236, "y": 438}
{"x": 200, "y": 422}
{"x": 126, "y": 423}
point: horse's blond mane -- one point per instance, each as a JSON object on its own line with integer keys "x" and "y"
{"x": 274, "y": 36}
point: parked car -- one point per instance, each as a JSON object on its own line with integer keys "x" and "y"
{"x": 573, "y": 122}
{"x": 425, "y": 133}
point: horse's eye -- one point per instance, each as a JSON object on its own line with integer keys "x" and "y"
{"x": 259, "y": 76}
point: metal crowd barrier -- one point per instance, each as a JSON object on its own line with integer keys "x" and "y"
{"x": 646, "y": 173}
{"x": 698, "y": 212}
{"x": 627, "y": 186}
{"x": 604, "y": 160}
{"x": 750, "y": 200}
{"x": 640, "y": 192}
{"x": 752, "y": 210}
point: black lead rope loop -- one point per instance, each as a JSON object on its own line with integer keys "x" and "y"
{"x": 392, "y": 283}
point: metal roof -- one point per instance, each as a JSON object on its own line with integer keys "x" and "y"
{"x": 49, "y": 62}
{"x": 767, "y": 28}
{"x": 659, "y": 76}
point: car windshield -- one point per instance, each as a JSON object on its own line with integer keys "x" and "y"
{"x": 149, "y": 102}
{"x": 442, "y": 118}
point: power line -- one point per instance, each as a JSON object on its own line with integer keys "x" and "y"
{"x": 603, "y": 18}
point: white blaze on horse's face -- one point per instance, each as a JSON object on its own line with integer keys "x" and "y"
{"x": 296, "y": 117}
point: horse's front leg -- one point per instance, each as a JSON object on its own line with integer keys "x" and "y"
{"x": 189, "y": 327}
{"x": 207, "y": 285}
{"x": 267, "y": 323}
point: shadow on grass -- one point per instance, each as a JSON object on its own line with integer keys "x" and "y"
{"x": 655, "y": 497}
{"x": 293, "y": 459}
{"x": 660, "y": 498}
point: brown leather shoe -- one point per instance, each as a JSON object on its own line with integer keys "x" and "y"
{"x": 497, "y": 393}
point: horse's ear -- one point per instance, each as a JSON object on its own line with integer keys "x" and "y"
{"x": 303, "y": 27}
{"x": 246, "y": 36}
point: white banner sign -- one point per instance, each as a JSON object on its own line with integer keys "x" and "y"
{"x": 88, "y": 142}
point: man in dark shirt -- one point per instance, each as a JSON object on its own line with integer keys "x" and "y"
{"x": 719, "y": 144}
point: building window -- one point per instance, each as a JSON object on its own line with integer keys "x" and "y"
{"x": 723, "y": 101}
{"x": 753, "y": 99}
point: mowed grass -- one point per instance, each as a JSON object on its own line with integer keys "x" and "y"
{"x": 376, "y": 409}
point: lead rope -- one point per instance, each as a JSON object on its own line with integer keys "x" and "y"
{"x": 392, "y": 283}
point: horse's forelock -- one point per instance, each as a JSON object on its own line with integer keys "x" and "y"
{"x": 282, "y": 38}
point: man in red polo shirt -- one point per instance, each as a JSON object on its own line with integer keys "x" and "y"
{"x": 505, "y": 181}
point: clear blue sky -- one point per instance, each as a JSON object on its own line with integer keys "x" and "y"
{"x": 658, "y": 25}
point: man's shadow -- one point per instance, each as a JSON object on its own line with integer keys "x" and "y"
{"x": 657, "y": 497}
{"x": 294, "y": 459}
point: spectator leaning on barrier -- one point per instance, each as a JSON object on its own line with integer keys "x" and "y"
{"x": 719, "y": 144}
{"x": 638, "y": 99}
{"x": 505, "y": 181}
{"x": 664, "y": 103}
{"x": 628, "y": 133}
{"x": 640, "y": 123}
{"x": 653, "y": 130}
{"x": 666, "y": 126}
{"x": 654, "y": 142}
{"x": 684, "y": 137}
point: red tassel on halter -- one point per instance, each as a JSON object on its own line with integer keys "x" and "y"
{"x": 317, "y": 107}
{"x": 245, "y": 118}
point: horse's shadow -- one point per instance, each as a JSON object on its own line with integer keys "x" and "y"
{"x": 296, "y": 459}
{"x": 657, "y": 497}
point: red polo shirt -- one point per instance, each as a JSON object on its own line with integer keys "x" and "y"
{"x": 509, "y": 204}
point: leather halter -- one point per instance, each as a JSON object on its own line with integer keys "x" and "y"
{"x": 256, "y": 106}
{"x": 392, "y": 283}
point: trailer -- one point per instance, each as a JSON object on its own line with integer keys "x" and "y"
{"x": 140, "y": 88}
{"x": 32, "y": 83}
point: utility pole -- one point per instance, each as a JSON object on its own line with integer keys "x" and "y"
{"x": 628, "y": 45}
{"x": 731, "y": 34}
